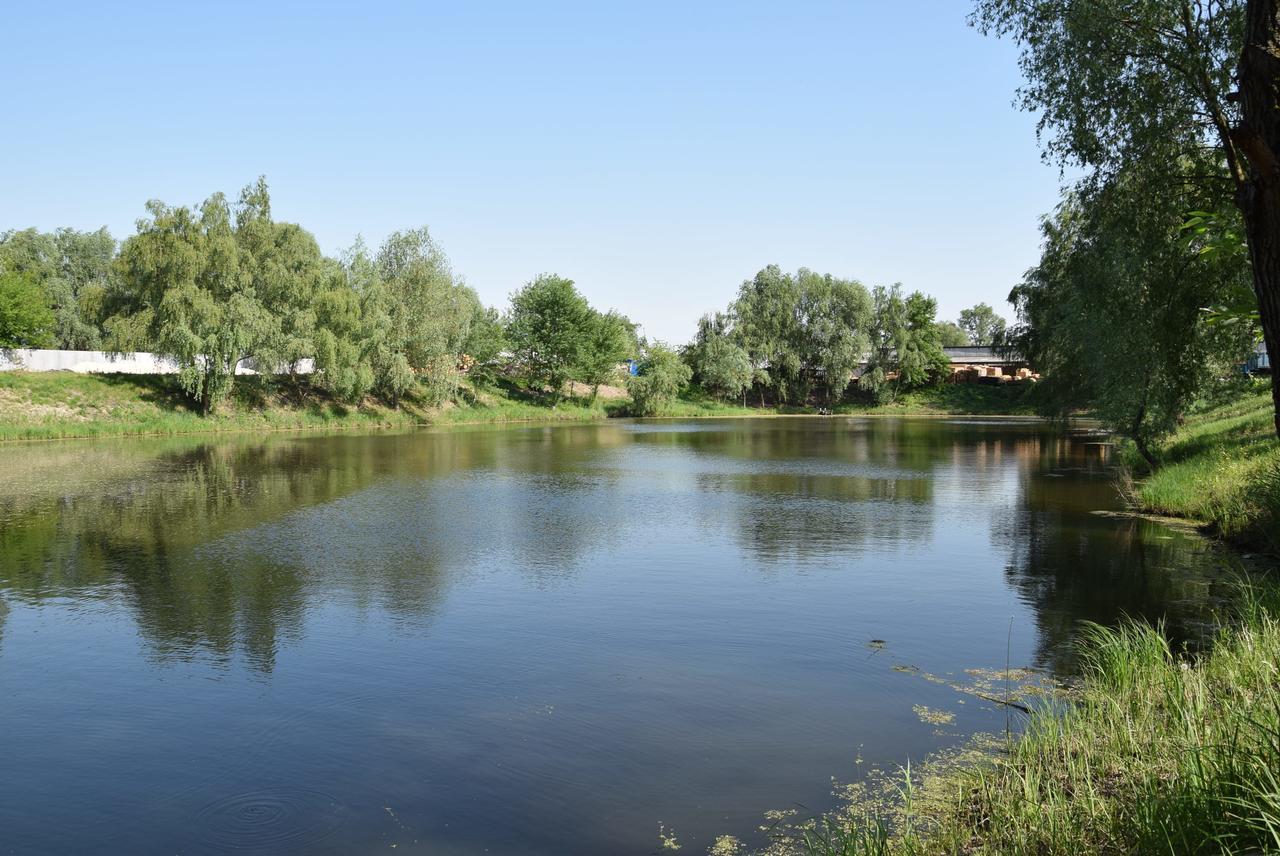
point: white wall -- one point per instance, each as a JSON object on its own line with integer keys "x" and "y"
{"x": 100, "y": 362}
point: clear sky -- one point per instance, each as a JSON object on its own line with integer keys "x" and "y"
{"x": 657, "y": 153}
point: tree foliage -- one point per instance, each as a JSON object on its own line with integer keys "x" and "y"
{"x": 185, "y": 270}
{"x": 951, "y": 335}
{"x": 718, "y": 363}
{"x": 548, "y": 330}
{"x": 610, "y": 338}
{"x": 217, "y": 287}
{"x": 1112, "y": 314}
{"x": 1145, "y": 91}
{"x": 26, "y": 321}
{"x": 802, "y": 331}
{"x": 981, "y": 325}
{"x": 428, "y": 313}
{"x": 662, "y": 377}
{"x": 906, "y": 350}
{"x": 73, "y": 271}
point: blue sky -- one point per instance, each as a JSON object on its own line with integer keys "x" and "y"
{"x": 656, "y": 153}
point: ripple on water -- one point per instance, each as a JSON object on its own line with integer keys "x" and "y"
{"x": 269, "y": 820}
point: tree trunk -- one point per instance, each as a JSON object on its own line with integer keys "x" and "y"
{"x": 1258, "y": 195}
{"x": 206, "y": 397}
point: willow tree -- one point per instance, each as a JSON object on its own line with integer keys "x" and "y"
{"x": 73, "y": 270}
{"x": 194, "y": 297}
{"x": 26, "y": 321}
{"x": 662, "y": 377}
{"x": 1129, "y": 85}
{"x": 429, "y": 311}
{"x": 1111, "y": 313}
{"x": 284, "y": 267}
{"x": 719, "y": 364}
{"x": 906, "y": 348}
{"x": 833, "y": 331}
{"x": 764, "y": 321}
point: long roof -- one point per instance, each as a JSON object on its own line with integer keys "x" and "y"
{"x": 974, "y": 355}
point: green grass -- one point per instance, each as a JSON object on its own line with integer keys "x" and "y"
{"x": 51, "y": 405}
{"x": 39, "y": 406}
{"x": 508, "y": 402}
{"x": 1222, "y": 468}
{"x": 1157, "y": 753}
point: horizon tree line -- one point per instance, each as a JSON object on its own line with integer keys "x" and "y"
{"x": 224, "y": 284}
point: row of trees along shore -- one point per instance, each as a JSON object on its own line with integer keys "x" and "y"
{"x": 221, "y": 284}
{"x": 796, "y": 336}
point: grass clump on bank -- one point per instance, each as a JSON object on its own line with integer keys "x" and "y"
{"x": 1222, "y": 467}
{"x": 1156, "y": 754}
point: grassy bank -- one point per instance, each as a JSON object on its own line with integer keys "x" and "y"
{"x": 1156, "y": 754}
{"x": 1222, "y": 468}
{"x": 42, "y": 406}
{"x": 50, "y": 405}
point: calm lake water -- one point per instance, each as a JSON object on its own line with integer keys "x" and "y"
{"x": 532, "y": 640}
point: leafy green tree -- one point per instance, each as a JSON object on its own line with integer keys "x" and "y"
{"x": 548, "y": 330}
{"x": 981, "y": 325}
{"x": 726, "y": 369}
{"x": 906, "y": 351}
{"x": 284, "y": 268}
{"x": 197, "y": 304}
{"x": 834, "y": 331}
{"x": 428, "y": 311}
{"x": 1179, "y": 91}
{"x": 1111, "y": 315}
{"x": 26, "y": 321}
{"x": 73, "y": 269}
{"x": 802, "y": 330}
{"x": 341, "y": 348}
{"x": 888, "y": 328}
{"x": 921, "y": 361}
{"x": 950, "y": 335}
{"x": 610, "y": 339}
{"x": 663, "y": 375}
{"x": 486, "y": 341}
{"x": 719, "y": 364}
{"x": 764, "y": 317}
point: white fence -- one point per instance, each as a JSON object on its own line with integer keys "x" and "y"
{"x": 104, "y": 362}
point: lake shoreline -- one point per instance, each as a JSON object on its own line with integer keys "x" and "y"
{"x": 65, "y": 406}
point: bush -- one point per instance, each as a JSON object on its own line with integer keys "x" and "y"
{"x": 662, "y": 376}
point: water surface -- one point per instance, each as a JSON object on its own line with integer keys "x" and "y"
{"x": 533, "y": 640}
